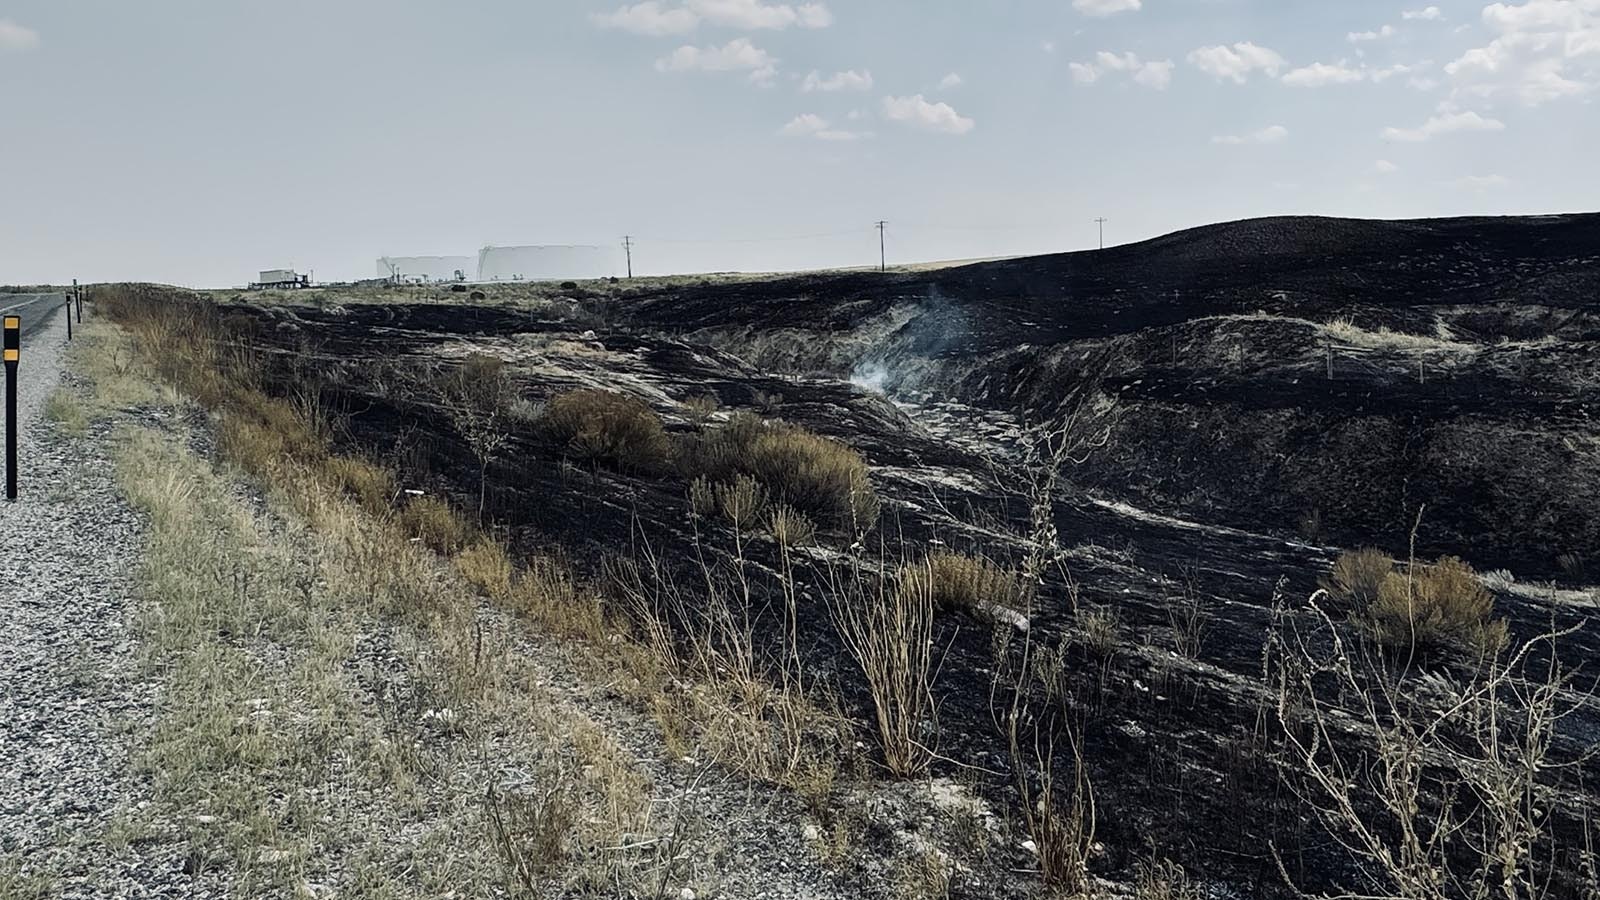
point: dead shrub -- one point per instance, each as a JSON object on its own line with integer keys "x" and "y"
{"x": 699, "y": 410}
{"x": 819, "y": 476}
{"x": 887, "y": 629}
{"x": 605, "y": 427}
{"x": 530, "y": 829}
{"x": 957, "y": 582}
{"x": 742, "y": 502}
{"x": 435, "y": 524}
{"x": 1357, "y": 575}
{"x": 1433, "y": 607}
{"x": 702, "y": 496}
{"x": 790, "y": 528}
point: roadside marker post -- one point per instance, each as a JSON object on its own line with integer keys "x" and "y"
{"x": 13, "y": 353}
{"x": 68, "y": 309}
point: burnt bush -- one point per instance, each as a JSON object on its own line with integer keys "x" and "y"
{"x": 1436, "y": 607}
{"x": 607, "y": 428}
{"x": 821, "y": 477}
{"x": 957, "y": 582}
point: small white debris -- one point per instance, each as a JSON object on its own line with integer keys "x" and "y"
{"x": 686, "y": 893}
{"x": 1030, "y": 846}
{"x": 811, "y": 833}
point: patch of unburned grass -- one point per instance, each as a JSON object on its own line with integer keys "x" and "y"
{"x": 65, "y": 409}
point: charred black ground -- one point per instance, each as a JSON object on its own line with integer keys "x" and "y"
{"x": 1274, "y": 390}
{"x": 1460, "y": 371}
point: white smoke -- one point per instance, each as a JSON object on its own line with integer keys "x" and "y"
{"x": 872, "y": 376}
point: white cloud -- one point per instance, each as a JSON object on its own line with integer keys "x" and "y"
{"x": 810, "y": 125}
{"x": 1356, "y": 37}
{"x": 1237, "y": 62}
{"x": 1152, "y": 74}
{"x": 1444, "y": 123}
{"x": 850, "y": 80}
{"x": 1481, "y": 182}
{"x": 1384, "y": 167}
{"x": 950, "y": 81}
{"x": 17, "y": 37}
{"x": 1047, "y": 46}
{"x": 1099, "y": 8}
{"x": 1320, "y": 74}
{"x": 1384, "y": 74}
{"x": 1544, "y": 50}
{"x": 919, "y": 112}
{"x": 1426, "y": 14}
{"x": 655, "y": 18}
{"x": 1272, "y": 134}
{"x": 735, "y": 56}
{"x": 754, "y": 14}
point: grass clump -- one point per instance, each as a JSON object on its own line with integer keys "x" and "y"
{"x": 65, "y": 410}
{"x": 1436, "y": 607}
{"x": 371, "y": 485}
{"x": 432, "y": 521}
{"x": 605, "y": 427}
{"x": 957, "y": 582}
{"x": 1358, "y": 575}
{"x": 821, "y": 477}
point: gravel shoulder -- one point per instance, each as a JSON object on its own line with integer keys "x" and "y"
{"x": 71, "y": 693}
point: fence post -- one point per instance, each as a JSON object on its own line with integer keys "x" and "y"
{"x": 13, "y": 352}
{"x": 68, "y": 309}
{"x": 77, "y": 296}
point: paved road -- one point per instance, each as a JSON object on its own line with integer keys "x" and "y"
{"x": 36, "y": 310}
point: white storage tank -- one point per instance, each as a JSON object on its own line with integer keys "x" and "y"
{"x": 547, "y": 263}
{"x": 424, "y": 269}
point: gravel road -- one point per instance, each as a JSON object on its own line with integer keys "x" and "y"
{"x": 71, "y": 697}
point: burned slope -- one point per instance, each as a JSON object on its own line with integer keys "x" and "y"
{"x": 1323, "y": 378}
{"x": 1174, "y": 742}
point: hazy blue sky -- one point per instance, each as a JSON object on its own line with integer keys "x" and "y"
{"x": 198, "y": 141}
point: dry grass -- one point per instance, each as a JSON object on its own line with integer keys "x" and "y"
{"x": 432, "y": 521}
{"x": 1438, "y": 606}
{"x": 605, "y": 427}
{"x": 371, "y": 485}
{"x": 1347, "y": 331}
{"x": 64, "y": 408}
{"x": 886, "y": 625}
{"x": 956, "y": 581}
{"x": 699, "y": 409}
{"x": 821, "y": 477}
{"x": 1357, "y": 575}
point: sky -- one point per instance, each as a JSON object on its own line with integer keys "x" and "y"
{"x": 195, "y": 142}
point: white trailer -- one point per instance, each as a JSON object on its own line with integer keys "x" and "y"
{"x": 281, "y": 278}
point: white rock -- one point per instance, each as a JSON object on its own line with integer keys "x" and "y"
{"x": 1030, "y": 846}
{"x": 811, "y": 833}
{"x": 686, "y": 894}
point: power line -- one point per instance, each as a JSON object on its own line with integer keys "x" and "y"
{"x": 883, "y": 265}
{"x": 627, "y": 247}
{"x": 763, "y": 240}
{"x": 1102, "y": 223}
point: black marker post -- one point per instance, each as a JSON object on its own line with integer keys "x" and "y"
{"x": 13, "y": 353}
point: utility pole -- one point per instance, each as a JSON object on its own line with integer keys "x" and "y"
{"x": 1102, "y": 223}
{"x": 627, "y": 247}
{"x": 883, "y": 265}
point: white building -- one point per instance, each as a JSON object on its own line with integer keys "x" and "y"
{"x": 423, "y": 269}
{"x": 550, "y": 263}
